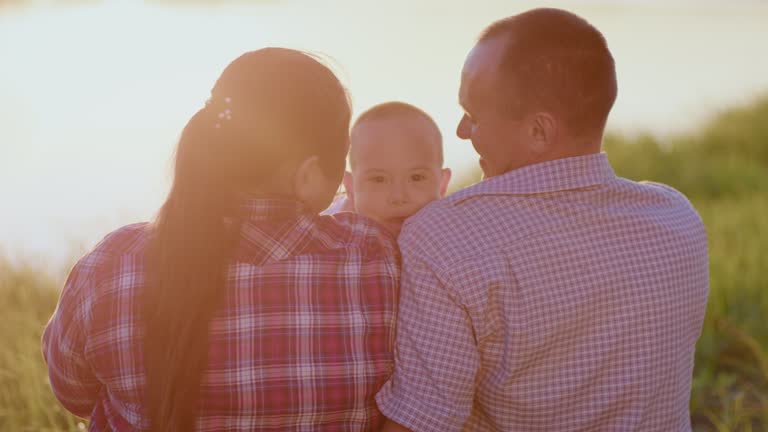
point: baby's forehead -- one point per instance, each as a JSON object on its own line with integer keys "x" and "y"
{"x": 408, "y": 138}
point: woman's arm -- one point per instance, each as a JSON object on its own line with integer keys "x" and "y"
{"x": 72, "y": 380}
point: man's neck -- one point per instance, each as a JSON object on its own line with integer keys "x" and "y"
{"x": 575, "y": 147}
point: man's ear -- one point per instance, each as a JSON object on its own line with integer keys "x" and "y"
{"x": 445, "y": 178}
{"x": 542, "y": 132}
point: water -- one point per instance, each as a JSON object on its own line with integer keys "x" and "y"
{"x": 92, "y": 98}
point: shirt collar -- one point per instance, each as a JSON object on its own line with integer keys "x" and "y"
{"x": 552, "y": 176}
{"x": 263, "y": 209}
{"x": 275, "y": 229}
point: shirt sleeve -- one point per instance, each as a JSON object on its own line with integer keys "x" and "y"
{"x": 72, "y": 380}
{"x": 436, "y": 357}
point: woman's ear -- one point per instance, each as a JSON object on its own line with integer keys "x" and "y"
{"x": 310, "y": 184}
{"x": 445, "y": 178}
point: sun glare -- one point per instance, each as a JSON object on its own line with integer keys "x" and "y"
{"x": 93, "y": 96}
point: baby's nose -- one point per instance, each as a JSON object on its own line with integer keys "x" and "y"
{"x": 398, "y": 195}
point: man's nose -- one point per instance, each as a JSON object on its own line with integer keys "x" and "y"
{"x": 463, "y": 129}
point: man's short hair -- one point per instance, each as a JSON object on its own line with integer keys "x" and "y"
{"x": 396, "y": 109}
{"x": 555, "y": 60}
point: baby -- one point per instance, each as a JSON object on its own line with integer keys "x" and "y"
{"x": 396, "y": 163}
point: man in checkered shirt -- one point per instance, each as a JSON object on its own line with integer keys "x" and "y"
{"x": 553, "y": 295}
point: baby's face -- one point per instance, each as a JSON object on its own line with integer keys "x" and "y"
{"x": 396, "y": 170}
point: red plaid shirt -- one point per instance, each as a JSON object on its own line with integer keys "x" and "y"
{"x": 303, "y": 342}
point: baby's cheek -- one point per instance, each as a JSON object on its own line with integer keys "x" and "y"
{"x": 433, "y": 194}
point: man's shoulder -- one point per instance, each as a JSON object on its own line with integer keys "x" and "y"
{"x": 666, "y": 191}
{"x": 462, "y": 195}
{"x": 444, "y": 230}
{"x": 452, "y": 213}
{"x": 665, "y": 194}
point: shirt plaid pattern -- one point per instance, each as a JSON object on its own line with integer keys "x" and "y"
{"x": 303, "y": 341}
{"x": 555, "y": 297}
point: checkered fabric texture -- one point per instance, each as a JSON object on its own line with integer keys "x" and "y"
{"x": 555, "y": 297}
{"x": 303, "y": 341}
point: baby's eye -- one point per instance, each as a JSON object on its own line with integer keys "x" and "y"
{"x": 418, "y": 177}
{"x": 377, "y": 179}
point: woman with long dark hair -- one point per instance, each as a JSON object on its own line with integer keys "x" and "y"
{"x": 238, "y": 308}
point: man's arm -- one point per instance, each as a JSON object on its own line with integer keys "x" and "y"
{"x": 436, "y": 358}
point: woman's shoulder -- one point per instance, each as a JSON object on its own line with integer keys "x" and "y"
{"x": 127, "y": 240}
{"x": 352, "y": 229}
{"x": 110, "y": 255}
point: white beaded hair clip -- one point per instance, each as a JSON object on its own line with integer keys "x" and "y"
{"x": 224, "y": 115}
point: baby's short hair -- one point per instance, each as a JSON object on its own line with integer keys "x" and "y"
{"x": 395, "y": 109}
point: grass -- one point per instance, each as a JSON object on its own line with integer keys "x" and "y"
{"x": 723, "y": 169}
{"x": 27, "y": 299}
{"x": 730, "y": 388}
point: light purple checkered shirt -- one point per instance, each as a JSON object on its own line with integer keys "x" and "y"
{"x": 555, "y": 297}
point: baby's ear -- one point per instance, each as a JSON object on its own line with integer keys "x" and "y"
{"x": 347, "y": 182}
{"x": 444, "y": 180}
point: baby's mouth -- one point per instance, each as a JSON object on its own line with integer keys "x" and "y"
{"x": 397, "y": 220}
